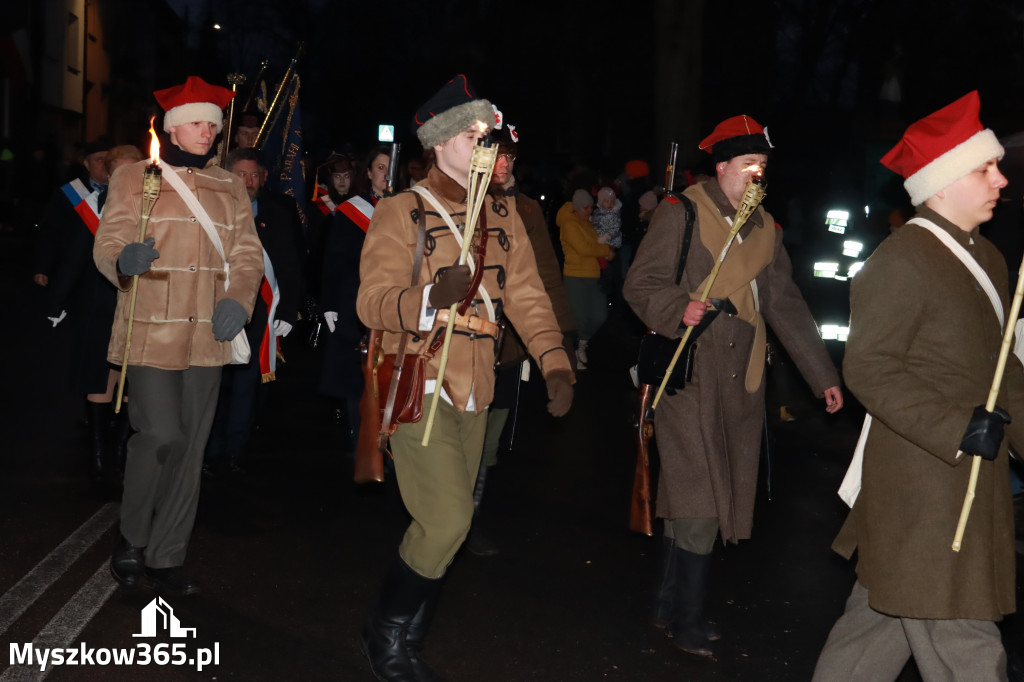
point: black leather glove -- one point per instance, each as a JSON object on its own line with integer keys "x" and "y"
{"x": 559, "y": 384}
{"x": 984, "y": 432}
{"x": 137, "y": 257}
{"x": 228, "y": 319}
{"x": 451, "y": 286}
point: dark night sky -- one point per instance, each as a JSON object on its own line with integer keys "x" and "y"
{"x": 579, "y": 78}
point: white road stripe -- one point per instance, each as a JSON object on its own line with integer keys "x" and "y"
{"x": 69, "y": 622}
{"x": 16, "y": 600}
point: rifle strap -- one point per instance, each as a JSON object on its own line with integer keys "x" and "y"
{"x": 687, "y": 236}
{"x": 396, "y": 375}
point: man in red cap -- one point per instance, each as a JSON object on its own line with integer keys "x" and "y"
{"x": 411, "y": 303}
{"x": 927, "y": 316}
{"x": 190, "y": 303}
{"x": 709, "y": 434}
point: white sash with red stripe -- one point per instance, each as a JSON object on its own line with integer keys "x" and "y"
{"x": 359, "y": 211}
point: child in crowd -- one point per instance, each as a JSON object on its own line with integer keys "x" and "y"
{"x": 607, "y": 220}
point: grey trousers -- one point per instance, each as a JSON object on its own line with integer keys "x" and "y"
{"x": 871, "y": 646}
{"x": 694, "y": 535}
{"x": 171, "y": 411}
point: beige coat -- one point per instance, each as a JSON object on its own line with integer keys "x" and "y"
{"x": 923, "y": 345}
{"x": 709, "y": 434}
{"x": 387, "y": 301}
{"x": 172, "y": 328}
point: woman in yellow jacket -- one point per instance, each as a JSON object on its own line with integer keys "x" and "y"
{"x": 582, "y": 272}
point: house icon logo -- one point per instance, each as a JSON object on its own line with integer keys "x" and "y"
{"x": 158, "y": 615}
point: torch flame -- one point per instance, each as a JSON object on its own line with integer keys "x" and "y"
{"x": 481, "y": 126}
{"x": 154, "y": 144}
{"x": 753, "y": 168}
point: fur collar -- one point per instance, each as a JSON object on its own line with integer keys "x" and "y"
{"x": 445, "y": 187}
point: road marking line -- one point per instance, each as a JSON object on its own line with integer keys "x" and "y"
{"x": 22, "y": 595}
{"x": 69, "y": 622}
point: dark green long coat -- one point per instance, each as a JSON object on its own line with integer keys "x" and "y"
{"x": 924, "y": 340}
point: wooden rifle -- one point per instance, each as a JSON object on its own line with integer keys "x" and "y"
{"x": 640, "y": 512}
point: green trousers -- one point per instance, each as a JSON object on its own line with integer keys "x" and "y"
{"x": 436, "y": 483}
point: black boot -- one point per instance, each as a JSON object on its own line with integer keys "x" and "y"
{"x": 477, "y": 542}
{"x": 128, "y": 563}
{"x": 665, "y": 590}
{"x": 122, "y": 432}
{"x": 416, "y": 634}
{"x": 99, "y": 425}
{"x": 383, "y": 642}
{"x": 688, "y": 628}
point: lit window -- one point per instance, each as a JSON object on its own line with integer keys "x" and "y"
{"x": 827, "y": 270}
{"x": 852, "y": 249}
{"x": 834, "y": 332}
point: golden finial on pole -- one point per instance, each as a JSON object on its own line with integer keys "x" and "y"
{"x": 752, "y": 197}
{"x": 151, "y": 182}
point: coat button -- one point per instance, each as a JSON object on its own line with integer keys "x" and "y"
{"x": 192, "y": 268}
{"x": 732, "y": 344}
{"x": 733, "y": 376}
{"x": 192, "y": 319}
{"x": 992, "y": 357}
{"x": 731, "y": 315}
{"x": 189, "y": 171}
{"x": 192, "y": 218}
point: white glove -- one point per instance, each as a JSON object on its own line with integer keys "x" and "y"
{"x": 60, "y": 318}
{"x": 330, "y": 317}
{"x": 281, "y": 328}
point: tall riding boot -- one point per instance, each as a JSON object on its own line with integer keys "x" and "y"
{"x": 122, "y": 432}
{"x": 384, "y": 635}
{"x": 416, "y": 634}
{"x": 665, "y": 594}
{"x": 687, "y": 627}
{"x": 665, "y": 589}
{"x": 477, "y": 542}
{"x": 99, "y": 424}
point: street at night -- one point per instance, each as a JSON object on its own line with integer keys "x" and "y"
{"x": 289, "y": 554}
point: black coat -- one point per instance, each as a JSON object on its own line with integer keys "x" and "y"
{"x": 279, "y": 229}
{"x": 77, "y": 287}
{"x": 341, "y": 375}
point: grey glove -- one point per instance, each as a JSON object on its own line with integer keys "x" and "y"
{"x": 137, "y": 257}
{"x": 228, "y": 319}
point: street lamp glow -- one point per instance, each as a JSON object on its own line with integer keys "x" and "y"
{"x": 216, "y": 27}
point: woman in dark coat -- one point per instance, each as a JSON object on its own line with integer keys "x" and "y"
{"x": 341, "y": 377}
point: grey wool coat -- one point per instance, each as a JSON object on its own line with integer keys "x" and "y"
{"x": 923, "y": 346}
{"x": 709, "y": 434}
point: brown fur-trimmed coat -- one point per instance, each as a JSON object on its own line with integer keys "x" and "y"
{"x": 172, "y": 328}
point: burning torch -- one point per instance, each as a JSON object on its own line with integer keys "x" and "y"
{"x": 481, "y": 166}
{"x": 151, "y": 181}
{"x": 752, "y": 197}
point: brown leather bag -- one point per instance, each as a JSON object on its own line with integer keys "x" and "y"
{"x": 408, "y": 406}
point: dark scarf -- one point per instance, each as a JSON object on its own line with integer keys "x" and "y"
{"x": 176, "y": 156}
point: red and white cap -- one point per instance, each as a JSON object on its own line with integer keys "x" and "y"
{"x": 194, "y": 100}
{"x": 942, "y": 147}
{"x": 736, "y": 136}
